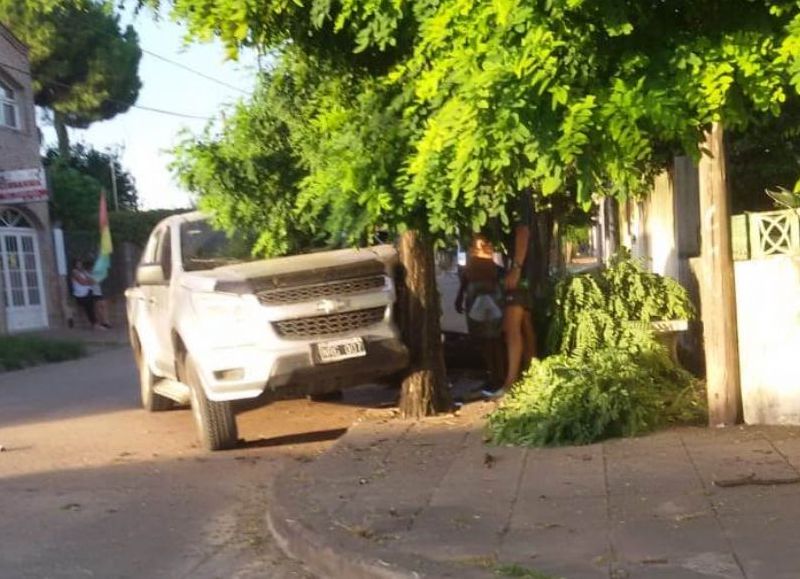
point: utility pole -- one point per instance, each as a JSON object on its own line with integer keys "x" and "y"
{"x": 717, "y": 286}
{"x": 114, "y": 182}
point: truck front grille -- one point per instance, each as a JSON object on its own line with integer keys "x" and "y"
{"x": 328, "y": 325}
{"x": 293, "y": 295}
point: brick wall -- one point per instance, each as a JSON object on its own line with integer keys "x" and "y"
{"x": 19, "y": 149}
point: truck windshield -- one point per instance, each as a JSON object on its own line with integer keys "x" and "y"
{"x": 204, "y": 247}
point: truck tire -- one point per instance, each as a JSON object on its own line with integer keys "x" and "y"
{"x": 215, "y": 421}
{"x": 151, "y": 401}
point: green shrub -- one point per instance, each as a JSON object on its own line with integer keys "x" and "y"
{"x": 600, "y": 309}
{"x": 609, "y": 376}
{"x": 576, "y": 234}
{"x": 520, "y": 572}
{"x": 18, "y": 352}
{"x": 606, "y": 393}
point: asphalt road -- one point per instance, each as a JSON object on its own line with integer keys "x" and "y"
{"x": 93, "y": 486}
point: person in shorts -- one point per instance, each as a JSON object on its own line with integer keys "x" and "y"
{"x": 520, "y": 336}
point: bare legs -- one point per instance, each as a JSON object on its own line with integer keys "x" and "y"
{"x": 101, "y": 311}
{"x": 528, "y": 340}
{"x": 520, "y": 342}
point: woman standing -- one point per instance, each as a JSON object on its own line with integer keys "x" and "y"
{"x": 82, "y": 284}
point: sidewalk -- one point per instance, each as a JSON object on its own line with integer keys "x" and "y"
{"x": 430, "y": 499}
{"x": 116, "y": 336}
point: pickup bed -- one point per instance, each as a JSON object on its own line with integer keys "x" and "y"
{"x": 208, "y": 329}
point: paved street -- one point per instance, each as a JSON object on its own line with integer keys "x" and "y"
{"x": 93, "y": 486}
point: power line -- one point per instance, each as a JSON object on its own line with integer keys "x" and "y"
{"x": 193, "y": 71}
{"x": 141, "y": 107}
{"x": 170, "y": 113}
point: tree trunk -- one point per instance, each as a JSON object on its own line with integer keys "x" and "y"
{"x": 609, "y": 229}
{"x": 540, "y": 248}
{"x": 568, "y": 252}
{"x": 62, "y": 134}
{"x": 425, "y": 390}
{"x": 541, "y": 252}
{"x": 559, "y": 253}
{"x": 717, "y": 289}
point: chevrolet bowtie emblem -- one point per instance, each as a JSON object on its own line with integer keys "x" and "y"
{"x": 330, "y": 306}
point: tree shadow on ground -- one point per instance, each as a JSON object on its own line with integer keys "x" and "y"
{"x": 295, "y": 438}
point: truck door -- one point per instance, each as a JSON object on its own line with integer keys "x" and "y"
{"x": 160, "y": 311}
{"x": 143, "y": 303}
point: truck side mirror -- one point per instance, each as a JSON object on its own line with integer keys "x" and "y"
{"x": 150, "y": 274}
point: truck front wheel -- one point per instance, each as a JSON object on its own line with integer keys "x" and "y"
{"x": 151, "y": 401}
{"x": 215, "y": 421}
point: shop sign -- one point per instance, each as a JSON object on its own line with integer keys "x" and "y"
{"x": 23, "y": 186}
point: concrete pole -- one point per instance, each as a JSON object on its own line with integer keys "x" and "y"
{"x": 114, "y": 183}
{"x": 717, "y": 286}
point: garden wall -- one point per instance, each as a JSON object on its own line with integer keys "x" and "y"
{"x": 768, "y": 309}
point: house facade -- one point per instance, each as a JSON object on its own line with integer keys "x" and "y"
{"x": 663, "y": 231}
{"x": 31, "y": 296}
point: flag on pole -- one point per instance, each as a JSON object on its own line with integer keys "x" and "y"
{"x": 103, "y": 261}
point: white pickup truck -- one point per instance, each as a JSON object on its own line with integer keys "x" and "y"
{"x": 208, "y": 329}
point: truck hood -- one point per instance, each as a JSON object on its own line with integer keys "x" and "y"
{"x": 296, "y": 270}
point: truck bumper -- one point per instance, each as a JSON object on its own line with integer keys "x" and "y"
{"x": 298, "y": 375}
{"x": 243, "y": 373}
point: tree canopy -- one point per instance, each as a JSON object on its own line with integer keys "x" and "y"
{"x": 482, "y": 100}
{"x": 247, "y": 175}
{"x": 527, "y": 95}
{"x": 74, "y": 197}
{"x": 97, "y": 165}
{"x": 77, "y": 180}
{"x": 84, "y": 65}
{"x": 765, "y": 157}
{"x": 433, "y": 116}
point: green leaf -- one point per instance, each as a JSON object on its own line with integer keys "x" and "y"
{"x": 622, "y": 29}
{"x": 550, "y": 184}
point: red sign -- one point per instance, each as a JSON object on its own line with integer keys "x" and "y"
{"x": 22, "y": 186}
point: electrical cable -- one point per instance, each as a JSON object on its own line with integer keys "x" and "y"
{"x": 141, "y": 107}
{"x": 193, "y": 71}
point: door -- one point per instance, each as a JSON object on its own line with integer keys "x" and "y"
{"x": 21, "y": 269}
{"x": 160, "y": 308}
{"x": 143, "y": 295}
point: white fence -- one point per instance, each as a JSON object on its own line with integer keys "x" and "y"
{"x": 766, "y": 234}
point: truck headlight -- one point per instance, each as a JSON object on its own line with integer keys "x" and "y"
{"x": 218, "y": 307}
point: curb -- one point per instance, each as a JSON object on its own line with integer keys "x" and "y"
{"x": 302, "y": 536}
{"x": 323, "y": 559}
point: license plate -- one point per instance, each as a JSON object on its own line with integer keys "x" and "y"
{"x": 337, "y": 350}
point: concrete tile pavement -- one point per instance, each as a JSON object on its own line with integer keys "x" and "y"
{"x": 430, "y": 499}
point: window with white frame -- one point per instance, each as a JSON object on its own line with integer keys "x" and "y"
{"x": 9, "y": 107}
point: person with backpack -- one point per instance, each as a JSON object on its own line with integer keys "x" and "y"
{"x": 480, "y": 297}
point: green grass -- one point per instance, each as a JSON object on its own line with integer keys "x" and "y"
{"x": 520, "y": 572}
{"x": 18, "y": 352}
